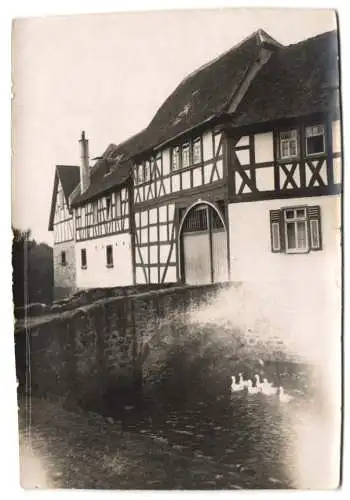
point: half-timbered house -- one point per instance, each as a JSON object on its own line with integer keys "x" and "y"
{"x": 61, "y": 223}
{"x": 237, "y": 177}
{"x": 236, "y": 166}
{"x": 103, "y": 219}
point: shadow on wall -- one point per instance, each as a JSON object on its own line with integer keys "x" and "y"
{"x": 197, "y": 352}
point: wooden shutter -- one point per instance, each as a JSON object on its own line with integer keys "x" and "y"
{"x": 276, "y": 231}
{"x": 314, "y": 216}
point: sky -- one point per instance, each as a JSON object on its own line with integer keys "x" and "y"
{"x": 108, "y": 74}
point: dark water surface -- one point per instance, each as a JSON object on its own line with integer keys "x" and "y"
{"x": 249, "y": 434}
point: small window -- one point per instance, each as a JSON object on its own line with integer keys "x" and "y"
{"x": 60, "y": 199}
{"x": 139, "y": 174}
{"x": 108, "y": 206}
{"x": 95, "y": 212}
{"x": 147, "y": 172}
{"x": 63, "y": 259}
{"x": 175, "y": 158}
{"x": 83, "y": 258}
{"x": 196, "y": 151}
{"x": 315, "y": 140}
{"x": 289, "y": 144}
{"x": 109, "y": 256}
{"x": 185, "y": 155}
{"x": 296, "y": 229}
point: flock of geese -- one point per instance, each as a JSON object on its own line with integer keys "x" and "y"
{"x": 260, "y": 387}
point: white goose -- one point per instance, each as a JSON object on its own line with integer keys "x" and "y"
{"x": 235, "y": 387}
{"x": 251, "y": 388}
{"x": 283, "y": 397}
{"x": 267, "y": 388}
{"x": 258, "y": 382}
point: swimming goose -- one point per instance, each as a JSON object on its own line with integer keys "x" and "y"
{"x": 251, "y": 388}
{"x": 258, "y": 382}
{"x": 235, "y": 387}
{"x": 267, "y": 388}
{"x": 283, "y": 397}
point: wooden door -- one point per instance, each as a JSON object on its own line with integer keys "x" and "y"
{"x": 204, "y": 246}
{"x": 197, "y": 258}
{"x": 219, "y": 256}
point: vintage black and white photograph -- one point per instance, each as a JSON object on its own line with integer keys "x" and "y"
{"x": 177, "y": 249}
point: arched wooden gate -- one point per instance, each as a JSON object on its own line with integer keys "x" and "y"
{"x": 203, "y": 245}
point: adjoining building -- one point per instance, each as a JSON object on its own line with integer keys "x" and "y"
{"x": 238, "y": 177}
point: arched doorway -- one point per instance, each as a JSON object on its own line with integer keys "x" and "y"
{"x": 203, "y": 244}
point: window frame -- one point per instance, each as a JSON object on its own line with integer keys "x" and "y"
{"x": 108, "y": 200}
{"x": 297, "y": 141}
{"x": 111, "y": 263}
{"x": 307, "y": 154}
{"x": 294, "y": 220}
{"x": 195, "y": 141}
{"x": 179, "y": 151}
{"x": 313, "y": 229}
{"x": 63, "y": 258}
{"x": 83, "y": 251}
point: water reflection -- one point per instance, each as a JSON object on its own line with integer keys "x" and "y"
{"x": 247, "y": 433}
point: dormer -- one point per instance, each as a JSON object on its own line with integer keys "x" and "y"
{"x": 266, "y": 47}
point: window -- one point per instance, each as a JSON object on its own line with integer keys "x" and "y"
{"x": 147, "y": 171}
{"x": 63, "y": 259}
{"x": 83, "y": 258}
{"x": 185, "y": 155}
{"x": 118, "y": 204}
{"x": 175, "y": 158}
{"x": 295, "y": 222}
{"x": 196, "y": 220}
{"x": 296, "y": 229}
{"x": 60, "y": 200}
{"x": 289, "y": 144}
{"x": 108, "y": 206}
{"x": 139, "y": 174}
{"x": 196, "y": 151}
{"x": 315, "y": 140}
{"x": 95, "y": 208}
{"x": 109, "y": 256}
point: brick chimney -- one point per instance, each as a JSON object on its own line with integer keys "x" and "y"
{"x": 84, "y": 163}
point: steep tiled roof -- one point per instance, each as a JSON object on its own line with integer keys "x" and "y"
{"x": 206, "y": 93}
{"x": 69, "y": 177}
{"x": 298, "y": 80}
{"x": 111, "y": 170}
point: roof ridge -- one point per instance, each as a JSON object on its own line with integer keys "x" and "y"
{"x": 318, "y": 35}
{"x": 222, "y": 54}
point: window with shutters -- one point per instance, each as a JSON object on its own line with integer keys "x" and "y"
{"x": 296, "y": 229}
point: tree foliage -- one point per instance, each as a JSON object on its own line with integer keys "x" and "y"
{"x": 32, "y": 269}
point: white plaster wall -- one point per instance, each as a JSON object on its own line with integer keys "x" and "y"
{"x": 207, "y": 146}
{"x": 97, "y": 275}
{"x": 294, "y": 296}
{"x": 250, "y": 249}
{"x": 263, "y": 147}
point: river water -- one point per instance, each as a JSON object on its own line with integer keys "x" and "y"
{"x": 253, "y": 435}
